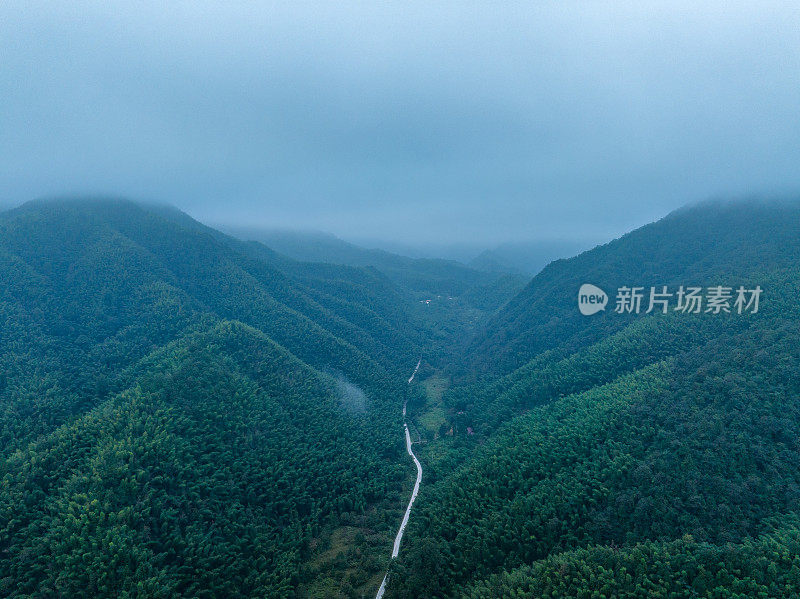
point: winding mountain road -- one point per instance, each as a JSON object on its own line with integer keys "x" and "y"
{"x": 399, "y": 537}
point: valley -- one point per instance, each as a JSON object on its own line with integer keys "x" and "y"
{"x": 399, "y": 300}
{"x": 188, "y": 414}
{"x": 415, "y": 490}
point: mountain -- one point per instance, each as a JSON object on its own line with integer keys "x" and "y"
{"x": 188, "y": 414}
{"x": 704, "y": 244}
{"x": 490, "y": 261}
{"x": 624, "y": 455}
{"x": 313, "y": 246}
{"x": 168, "y": 393}
{"x": 532, "y": 256}
{"x": 426, "y": 276}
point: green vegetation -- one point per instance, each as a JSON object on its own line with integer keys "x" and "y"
{"x": 629, "y": 456}
{"x": 184, "y": 414}
{"x": 172, "y": 414}
{"x": 482, "y": 287}
{"x": 680, "y": 568}
{"x": 432, "y": 416}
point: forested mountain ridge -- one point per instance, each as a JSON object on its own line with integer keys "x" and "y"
{"x": 187, "y": 415}
{"x": 704, "y": 244}
{"x": 426, "y": 276}
{"x": 82, "y": 247}
{"x": 630, "y": 455}
{"x": 194, "y": 480}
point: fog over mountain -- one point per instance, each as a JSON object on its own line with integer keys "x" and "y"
{"x": 404, "y": 122}
{"x": 447, "y": 300}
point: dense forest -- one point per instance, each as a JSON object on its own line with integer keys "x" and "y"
{"x": 186, "y": 414}
{"x": 625, "y": 455}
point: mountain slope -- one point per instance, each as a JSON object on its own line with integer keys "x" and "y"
{"x": 186, "y": 415}
{"x": 706, "y": 244}
{"x": 426, "y": 276}
{"x": 659, "y": 433}
{"x": 194, "y": 479}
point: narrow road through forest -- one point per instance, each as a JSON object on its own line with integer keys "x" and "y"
{"x": 399, "y": 537}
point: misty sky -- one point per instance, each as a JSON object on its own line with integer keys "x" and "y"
{"x": 412, "y": 122}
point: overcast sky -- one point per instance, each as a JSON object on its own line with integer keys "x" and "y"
{"x": 419, "y": 123}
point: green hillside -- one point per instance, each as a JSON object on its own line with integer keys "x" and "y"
{"x": 670, "y": 438}
{"x": 425, "y": 276}
{"x": 707, "y": 244}
{"x": 186, "y": 414}
{"x": 176, "y": 415}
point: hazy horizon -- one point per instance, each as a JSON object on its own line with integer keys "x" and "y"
{"x": 416, "y": 123}
{"x": 265, "y": 263}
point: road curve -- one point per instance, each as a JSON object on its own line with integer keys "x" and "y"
{"x": 399, "y": 537}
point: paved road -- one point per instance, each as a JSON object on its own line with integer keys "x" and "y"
{"x": 399, "y": 537}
